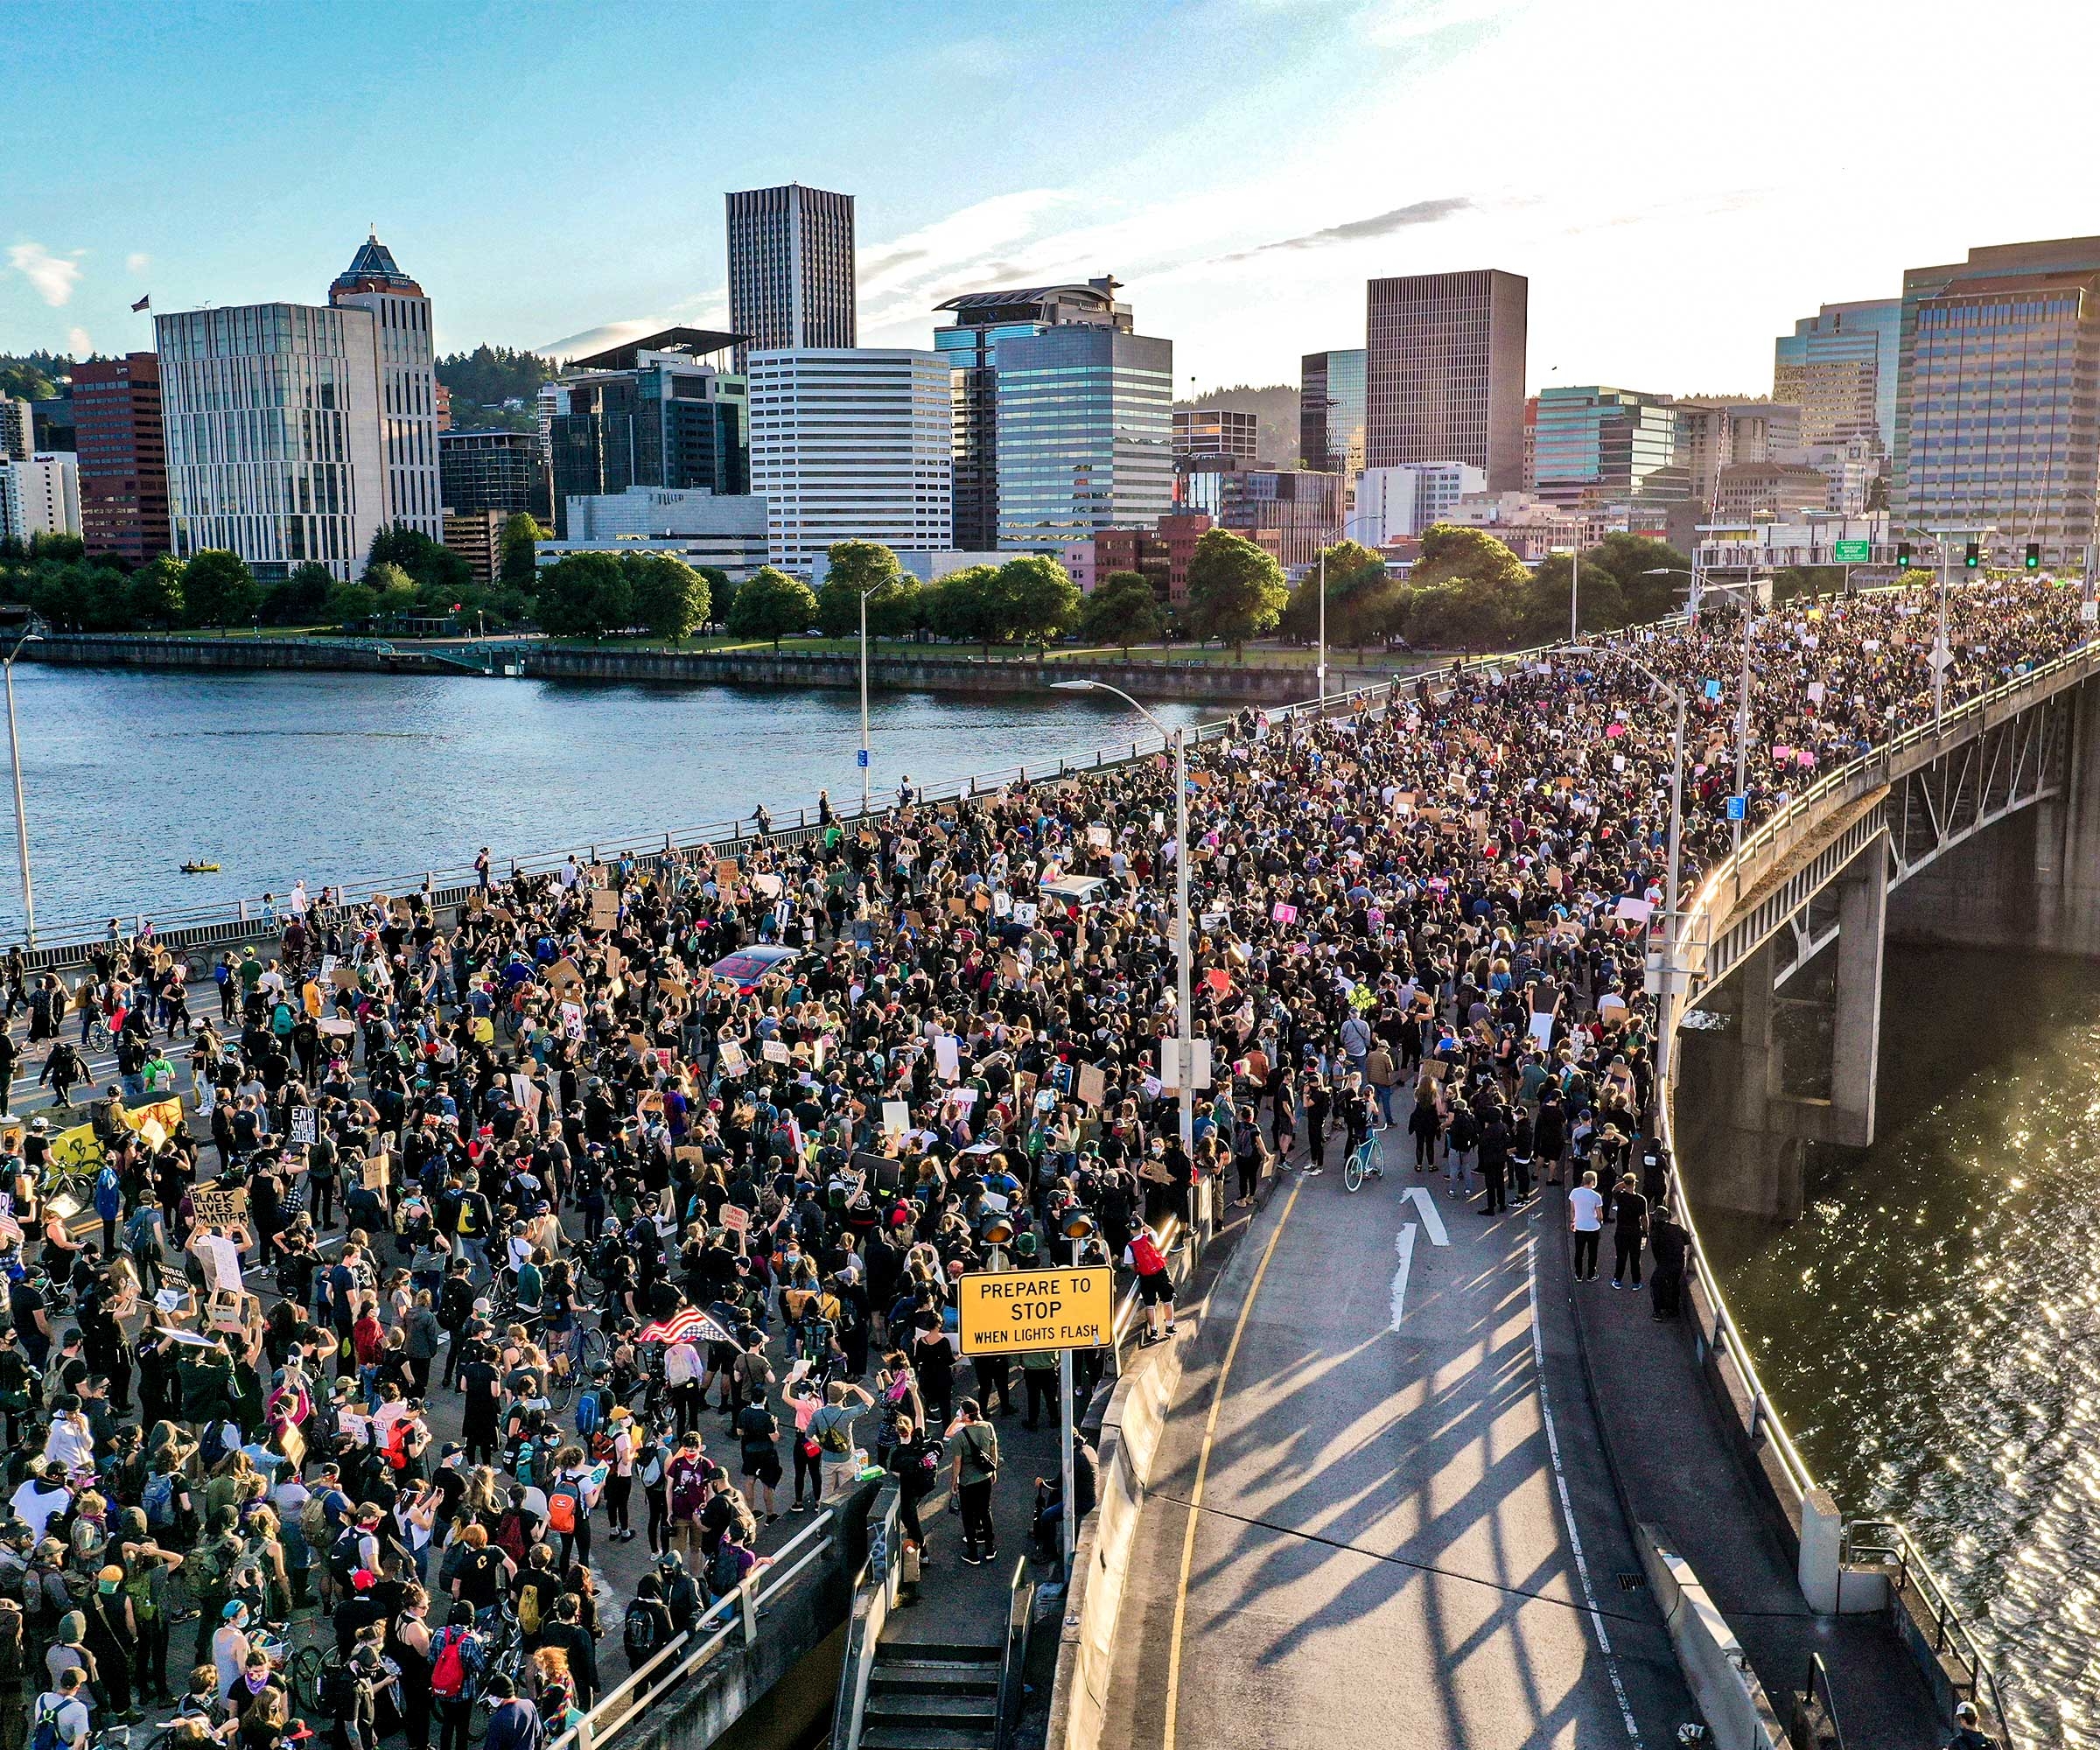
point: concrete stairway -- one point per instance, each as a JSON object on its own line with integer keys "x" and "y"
{"x": 933, "y": 1695}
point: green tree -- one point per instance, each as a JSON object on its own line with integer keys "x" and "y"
{"x": 441, "y": 575}
{"x": 583, "y": 595}
{"x": 670, "y": 597}
{"x": 156, "y": 592}
{"x": 720, "y": 593}
{"x": 217, "y": 589}
{"x": 1468, "y": 612}
{"x": 1123, "y": 610}
{"x": 1235, "y": 591}
{"x": 395, "y": 589}
{"x": 301, "y": 598}
{"x": 1362, "y": 599}
{"x": 1037, "y": 598}
{"x": 518, "y": 558}
{"x": 770, "y": 604}
{"x": 856, "y": 566}
{"x": 352, "y": 603}
{"x": 964, "y": 607}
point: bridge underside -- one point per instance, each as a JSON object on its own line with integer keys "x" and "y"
{"x": 1995, "y": 845}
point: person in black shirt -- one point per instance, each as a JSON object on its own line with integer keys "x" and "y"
{"x": 1629, "y": 1230}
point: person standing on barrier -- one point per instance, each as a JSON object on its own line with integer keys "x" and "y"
{"x": 975, "y": 1443}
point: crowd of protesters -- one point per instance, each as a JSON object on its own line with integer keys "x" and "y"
{"x": 801, "y": 1089}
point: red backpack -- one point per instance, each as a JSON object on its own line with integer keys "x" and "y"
{"x": 1145, "y": 1253}
{"x": 448, "y": 1671}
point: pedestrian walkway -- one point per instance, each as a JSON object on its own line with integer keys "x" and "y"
{"x": 1383, "y": 1551}
{"x": 1676, "y": 1460}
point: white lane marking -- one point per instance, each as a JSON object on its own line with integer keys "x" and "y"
{"x": 1567, "y": 1505}
{"x": 1403, "y": 1242}
{"x": 1431, "y": 1219}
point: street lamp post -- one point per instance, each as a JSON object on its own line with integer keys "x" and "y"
{"x": 14, "y": 751}
{"x": 864, "y": 594}
{"x": 1322, "y": 670}
{"x": 1183, "y": 1001}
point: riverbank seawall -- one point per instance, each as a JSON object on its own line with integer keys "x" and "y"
{"x": 1239, "y": 683}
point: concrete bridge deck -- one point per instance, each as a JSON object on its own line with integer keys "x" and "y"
{"x": 1407, "y": 1531}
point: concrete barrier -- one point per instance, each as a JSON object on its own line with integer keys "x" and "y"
{"x": 1736, "y": 1708}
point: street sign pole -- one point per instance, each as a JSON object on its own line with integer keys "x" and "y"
{"x": 1069, "y": 1517}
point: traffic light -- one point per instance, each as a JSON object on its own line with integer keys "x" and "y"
{"x": 2033, "y": 555}
{"x": 1902, "y": 555}
{"x": 1972, "y": 555}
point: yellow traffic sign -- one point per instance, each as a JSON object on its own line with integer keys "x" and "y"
{"x": 1013, "y": 1311}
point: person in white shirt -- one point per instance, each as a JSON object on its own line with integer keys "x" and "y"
{"x": 1586, "y": 1221}
{"x": 40, "y": 1498}
{"x": 70, "y": 1445}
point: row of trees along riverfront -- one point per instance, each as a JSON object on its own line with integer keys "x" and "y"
{"x": 1467, "y": 591}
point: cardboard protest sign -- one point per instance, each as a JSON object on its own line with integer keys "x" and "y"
{"x": 336, "y": 1026}
{"x": 896, "y": 1118}
{"x": 947, "y": 1060}
{"x": 733, "y": 1058}
{"x": 1093, "y": 1085}
{"x": 216, "y": 1206}
{"x": 376, "y": 1172}
{"x": 736, "y": 1218}
{"x": 604, "y": 908}
{"x": 304, "y": 1127}
{"x": 344, "y": 979}
{"x": 156, "y": 1123}
{"x": 563, "y": 977}
{"x": 774, "y": 1051}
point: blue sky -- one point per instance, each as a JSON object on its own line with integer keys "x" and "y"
{"x": 1678, "y": 182}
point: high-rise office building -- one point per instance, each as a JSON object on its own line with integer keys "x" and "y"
{"x": 1214, "y": 433}
{"x": 657, "y": 411}
{"x": 790, "y": 269}
{"x": 39, "y": 495}
{"x": 1331, "y": 412}
{"x": 123, "y": 456}
{"x": 1840, "y": 368}
{"x": 852, "y": 444}
{"x": 17, "y": 428}
{"x": 499, "y": 471}
{"x": 273, "y": 425}
{"x": 297, "y": 432}
{"x": 1444, "y": 375}
{"x": 981, "y": 321}
{"x": 1996, "y": 425}
{"x": 1085, "y": 433}
{"x": 407, "y": 384}
{"x": 1597, "y": 448}
{"x": 1292, "y": 512}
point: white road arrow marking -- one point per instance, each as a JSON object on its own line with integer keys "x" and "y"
{"x": 1404, "y": 1243}
{"x": 1431, "y": 1219}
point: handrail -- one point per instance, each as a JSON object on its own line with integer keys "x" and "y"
{"x": 631, "y": 1700}
{"x": 1819, "y": 1695}
{"x": 1013, "y": 1654}
{"x": 1888, "y": 1541}
{"x": 1739, "y": 872}
{"x": 874, "y": 1592}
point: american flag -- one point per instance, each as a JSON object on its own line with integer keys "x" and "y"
{"x": 689, "y": 1325}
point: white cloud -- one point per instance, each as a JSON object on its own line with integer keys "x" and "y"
{"x": 54, "y": 276}
{"x": 137, "y": 262}
{"x": 78, "y": 343}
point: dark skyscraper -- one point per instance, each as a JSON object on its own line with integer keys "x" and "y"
{"x": 790, "y": 268}
{"x": 123, "y": 456}
{"x": 1445, "y": 375}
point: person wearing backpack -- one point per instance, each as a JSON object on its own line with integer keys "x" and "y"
{"x": 534, "y": 1590}
{"x": 976, "y": 1445}
{"x": 685, "y": 1479}
{"x": 647, "y": 1628}
{"x": 571, "y": 1493}
{"x": 458, "y": 1658}
{"x": 59, "y": 1719}
{"x": 651, "y": 1464}
{"x": 1155, "y": 1286}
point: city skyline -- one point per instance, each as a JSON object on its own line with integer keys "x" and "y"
{"x": 1734, "y": 233}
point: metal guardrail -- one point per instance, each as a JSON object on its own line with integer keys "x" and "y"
{"x": 1816, "y": 1725}
{"x": 1013, "y": 1654}
{"x": 688, "y": 1652}
{"x": 1885, "y": 1543}
{"x": 875, "y": 1589}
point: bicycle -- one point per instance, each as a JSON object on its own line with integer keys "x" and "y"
{"x": 307, "y": 1675}
{"x": 1367, "y": 1157}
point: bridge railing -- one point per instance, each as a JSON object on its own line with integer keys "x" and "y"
{"x": 1766, "y": 849}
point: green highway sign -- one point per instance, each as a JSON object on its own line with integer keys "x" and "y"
{"x": 1853, "y": 552}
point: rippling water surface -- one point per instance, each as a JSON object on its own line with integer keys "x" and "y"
{"x": 1931, "y": 1331}
{"x": 356, "y": 777}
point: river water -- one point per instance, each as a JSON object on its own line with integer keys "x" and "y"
{"x": 365, "y": 778}
{"x": 1931, "y": 1330}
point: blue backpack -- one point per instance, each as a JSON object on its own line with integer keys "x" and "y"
{"x": 590, "y": 1413}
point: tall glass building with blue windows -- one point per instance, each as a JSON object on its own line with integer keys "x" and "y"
{"x": 1085, "y": 432}
{"x": 1597, "y": 448}
{"x": 1331, "y": 413}
{"x": 1997, "y": 425}
{"x": 981, "y": 322}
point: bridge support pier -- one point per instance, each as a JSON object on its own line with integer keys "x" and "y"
{"x": 1791, "y": 1070}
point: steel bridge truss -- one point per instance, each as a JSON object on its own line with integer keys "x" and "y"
{"x": 1924, "y": 813}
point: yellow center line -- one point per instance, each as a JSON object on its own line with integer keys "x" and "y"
{"x": 1195, "y": 1496}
